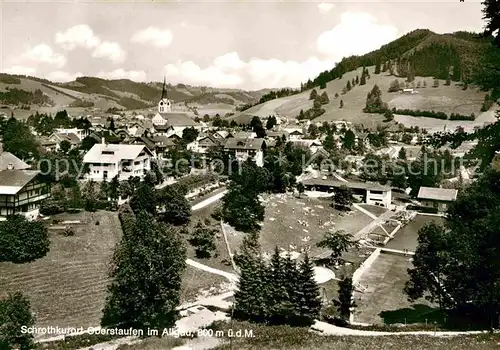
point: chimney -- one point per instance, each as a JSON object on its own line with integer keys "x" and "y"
{"x": 10, "y": 166}
{"x": 103, "y": 140}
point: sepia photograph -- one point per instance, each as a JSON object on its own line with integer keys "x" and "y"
{"x": 231, "y": 175}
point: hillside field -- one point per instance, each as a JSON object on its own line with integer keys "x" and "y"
{"x": 448, "y": 99}
{"x": 67, "y": 287}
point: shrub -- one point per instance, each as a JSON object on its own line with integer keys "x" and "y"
{"x": 68, "y": 232}
{"x": 52, "y": 208}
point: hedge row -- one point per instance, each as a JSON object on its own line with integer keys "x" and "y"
{"x": 433, "y": 114}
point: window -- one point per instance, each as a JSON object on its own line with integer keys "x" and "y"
{"x": 376, "y": 192}
{"x": 108, "y": 152}
{"x": 137, "y": 162}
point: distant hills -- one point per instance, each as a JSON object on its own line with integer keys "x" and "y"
{"x": 121, "y": 93}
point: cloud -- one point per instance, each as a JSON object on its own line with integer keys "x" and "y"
{"x": 357, "y": 33}
{"x": 62, "y": 77}
{"x": 229, "y": 61}
{"x": 111, "y": 51}
{"x": 190, "y": 73}
{"x": 325, "y": 7}
{"x": 135, "y": 75}
{"x": 277, "y": 73}
{"x": 21, "y": 70}
{"x": 230, "y": 71}
{"x": 43, "y": 53}
{"x": 78, "y": 36}
{"x": 153, "y": 36}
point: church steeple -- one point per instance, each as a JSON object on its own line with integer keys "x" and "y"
{"x": 164, "y": 106}
{"x": 164, "y": 89}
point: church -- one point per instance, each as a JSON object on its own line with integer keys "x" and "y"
{"x": 168, "y": 123}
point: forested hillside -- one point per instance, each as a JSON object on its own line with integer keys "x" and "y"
{"x": 422, "y": 53}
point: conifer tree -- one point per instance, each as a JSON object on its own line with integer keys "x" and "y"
{"x": 362, "y": 81}
{"x": 377, "y": 67}
{"x": 336, "y": 94}
{"x": 353, "y": 82}
{"x": 324, "y": 98}
{"x": 384, "y": 67}
{"x": 252, "y": 295}
{"x": 348, "y": 86}
{"x": 341, "y": 104}
{"x": 280, "y": 301}
{"x": 313, "y": 94}
{"x": 345, "y": 302}
{"x": 301, "y": 114}
{"x": 307, "y": 296}
{"x": 357, "y": 79}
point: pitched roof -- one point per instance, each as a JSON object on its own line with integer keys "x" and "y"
{"x": 12, "y": 181}
{"x": 244, "y": 135}
{"x": 7, "y": 158}
{"x": 116, "y": 153}
{"x": 70, "y": 137}
{"x": 163, "y": 127}
{"x": 209, "y": 139}
{"x": 372, "y": 186}
{"x": 244, "y": 144}
{"x": 162, "y": 141}
{"x": 277, "y": 133}
{"x": 440, "y": 194}
{"x": 145, "y": 141}
{"x": 178, "y": 119}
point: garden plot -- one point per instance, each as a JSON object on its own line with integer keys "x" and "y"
{"x": 67, "y": 287}
{"x": 383, "y": 294}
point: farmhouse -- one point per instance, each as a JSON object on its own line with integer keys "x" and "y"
{"x": 80, "y": 133}
{"x": 275, "y": 135}
{"x": 247, "y": 148}
{"x": 438, "y": 198}
{"x": 369, "y": 193}
{"x": 72, "y": 138}
{"x": 109, "y": 160}
{"x": 203, "y": 143}
{"x": 295, "y": 134}
{"x": 21, "y": 190}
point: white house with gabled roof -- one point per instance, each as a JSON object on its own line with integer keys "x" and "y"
{"x": 105, "y": 161}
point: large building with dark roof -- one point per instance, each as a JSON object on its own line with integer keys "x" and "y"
{"x": 21, "y": 190}
{"x": 243, "y": 149}
{"x": 366, "y": 192}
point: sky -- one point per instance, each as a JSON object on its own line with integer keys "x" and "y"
{"x": 226, "y": 44}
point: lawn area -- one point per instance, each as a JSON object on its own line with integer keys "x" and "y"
{"x": 196, "y": 283}
{"x": 384, "y": 283}
{"x": 284, "y": 213}
{"x": 374, "y": 209}
{"x": 221, "y": 259}
{"x": 67, "y": 287}
{"x": 406, "y": 237}
{"x": 285, "y": 337}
